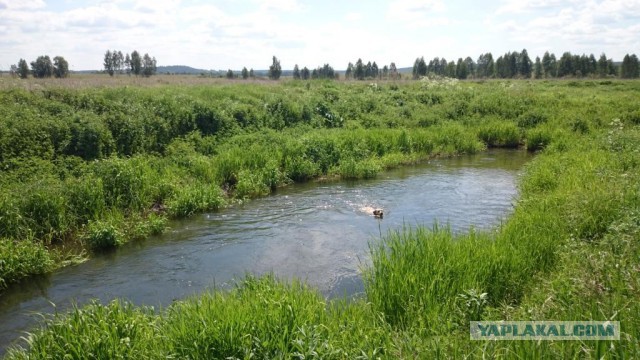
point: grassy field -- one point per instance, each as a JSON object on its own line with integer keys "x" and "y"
{"x": 88, "y": 168}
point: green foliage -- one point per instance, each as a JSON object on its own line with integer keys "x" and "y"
{"x": 116, "y": 330}
{"x": 102, "y": 234}
{"x": 275, "y": 70}
{"x": 500, "y": 134}
{"x": 19, "y": 259}
{"x": 194, "y": 198}
{"x": 42, "y": 67}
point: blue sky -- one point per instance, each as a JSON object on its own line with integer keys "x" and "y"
{"x": 227, "y": 34}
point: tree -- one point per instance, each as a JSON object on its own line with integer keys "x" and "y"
{"x": 451, "y": 69}
{"x": 486, "y": 66}
{"x": 461, "y": 69}
{"x": 296, "y": 72}
{"x": 537, "y": 68}
{"x": 393, "y": 71}
{"x": 251, "y": 73}
{"x": 42, "y": 67}
{"x": 60, "y": 67}
{"x": 368, "y": 70}
{"x": 117, "y": 62}
{"x": 359, "y": 70}
{"x": 305, "y": 73}
{"x": 566, "y": 66}
{"x": 13, "y": 71}
{"x": 148, "y": 65}
{"x": 349, "y": 72}
{"x": 471, "y": 67}
{"x": 524, "y": 64}
{"x": 230, "y": 74}
{"x": 385, "y": 72}
{"x": 127, "y": 64}
{"x": 374, "y": 70}
{"x": 245, "y": 73}
{"x": 275, "y": 70}
{"x": 23, "y": 69}
{"x": 630, "y": 67}
{"x": 603, "y": 67}
{"x": 419, "y": 68}
{"x": 136, "y": 63}
{"x": 108, "y": 62}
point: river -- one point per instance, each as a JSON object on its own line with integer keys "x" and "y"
{"x": 317, "y": 231}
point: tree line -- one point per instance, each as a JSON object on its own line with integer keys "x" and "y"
{"x": 519, "y": 65}
{"x": 42, "y": 67}
{"x": 115, "y": 62}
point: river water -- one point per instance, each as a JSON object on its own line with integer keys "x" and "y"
{"x": 315, "y": 231}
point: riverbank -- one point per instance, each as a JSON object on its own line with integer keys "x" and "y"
{"x": 569, "y": 252}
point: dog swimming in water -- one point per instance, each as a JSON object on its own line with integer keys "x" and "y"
{"x": 376, "y": 212}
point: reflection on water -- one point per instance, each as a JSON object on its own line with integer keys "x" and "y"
{"x": 316, "y": 231}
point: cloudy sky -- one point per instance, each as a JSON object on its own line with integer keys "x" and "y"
{"x": 224, "y": 34}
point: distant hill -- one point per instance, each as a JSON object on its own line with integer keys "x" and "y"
{"x": 179, "y": 69}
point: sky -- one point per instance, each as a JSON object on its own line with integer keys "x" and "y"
{"x": 228, "y": 34}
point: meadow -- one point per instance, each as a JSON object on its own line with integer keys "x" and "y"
{"x": 86, "y": 168}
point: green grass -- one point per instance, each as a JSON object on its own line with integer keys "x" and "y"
{"x": 569, "y": 251}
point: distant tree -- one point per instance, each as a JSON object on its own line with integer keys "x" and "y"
{"x": 368, "y": 70}
{"x": 537, "y": 68}
{"x": 23, "y": 69}
{"x": 296, "y": 72}
{"x": 461, "y": 69}
{"x": 136, "y": 63}
{"x": 419, "y": 68}
{"x": 358, "y": 72}
{"x": 148, "y": 65}
{"x": 393, "y": 71}
{"x": 603, "y": 66}
{"x": 524, "y": 64}
{"x": 323, "y": 72}
{"x": 612, "y": 68}
{"x": 593, "y": 65}
{"x": 275, "y": 70}
{"x": 630, "y": 68}
{"x": 245, "y": 73}
{"x": 442, "y": 67}
{"x": 566, "y": 66}
{"x": 549, "y": 65}
{"x": 485, "y": 66}
{"x": 108, "y": 63}
{"x": 230, "y": 74}
{"x": 512, "y": 64}
{"x": 42, "y": 67}
{"x": 13, "y": 71}
{"x": 127, "y": 64}
{"x": 117, "y": 62}
{"x": 60, "y": 67}
{"x": 251, "y": 73}
{"x": 471, "y": 67}
{"x": 374, "y": 70}
{"x": 385, "y": 72}
{"x": 348, "y": 74}
{"x": 451, "y": 69}
{"x": 305, "y": 74}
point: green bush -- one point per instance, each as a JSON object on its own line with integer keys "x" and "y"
{"x": 103, "y": 234}
{"x": 19, "y": 259}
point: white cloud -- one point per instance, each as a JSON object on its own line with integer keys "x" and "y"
{"x": 418, "y": 13}
{"x": 22, "y": 4}
{"x": 593, "y": 26}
